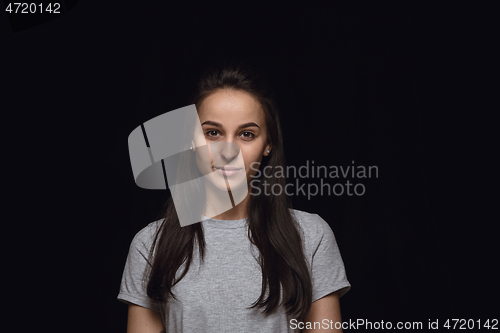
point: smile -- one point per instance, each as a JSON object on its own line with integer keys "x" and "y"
{"x": 227, "y": 171}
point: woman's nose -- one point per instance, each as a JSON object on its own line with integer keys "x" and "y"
{"x": 229, "y": 151}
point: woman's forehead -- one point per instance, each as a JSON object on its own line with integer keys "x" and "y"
{"x": 231, "y": 106}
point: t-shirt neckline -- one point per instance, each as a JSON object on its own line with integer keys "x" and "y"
{"x": 224, "y": 224}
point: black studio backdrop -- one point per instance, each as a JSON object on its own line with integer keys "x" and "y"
{"x": 351, "y": 81}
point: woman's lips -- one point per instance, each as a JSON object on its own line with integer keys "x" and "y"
{"x": 227, "y": 171}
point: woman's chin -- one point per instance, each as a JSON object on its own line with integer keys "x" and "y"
{"x": 231, "y": 187}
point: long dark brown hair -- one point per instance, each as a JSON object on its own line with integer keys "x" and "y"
{"x": 272, "y": 228}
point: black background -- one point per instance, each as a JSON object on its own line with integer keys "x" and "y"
{"x": 375, "y": 83}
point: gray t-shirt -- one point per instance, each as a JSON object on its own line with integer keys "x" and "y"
{"x": 214, "y": 296}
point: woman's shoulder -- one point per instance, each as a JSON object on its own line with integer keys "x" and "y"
{"x": 146, "y": 235}
{"x": 313, "y": 226}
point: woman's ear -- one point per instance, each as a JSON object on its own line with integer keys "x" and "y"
{"x": 268, "y": 150}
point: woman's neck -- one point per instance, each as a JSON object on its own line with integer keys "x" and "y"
{"x": 238, "y": 212}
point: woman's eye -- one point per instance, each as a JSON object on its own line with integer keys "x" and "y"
{"x": 248, "y": 135}
{"x": 212, "y": 133}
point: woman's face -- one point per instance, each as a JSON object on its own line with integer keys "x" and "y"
{"x": 235, "y": 131}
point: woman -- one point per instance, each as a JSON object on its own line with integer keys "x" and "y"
{"x": 258, "y": 266}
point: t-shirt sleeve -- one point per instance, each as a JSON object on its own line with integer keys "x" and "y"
{"x": 327, "y": 266}
{"x": 132, "y": 287}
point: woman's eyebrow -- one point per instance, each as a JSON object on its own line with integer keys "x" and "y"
{"x": 213, "y": 123}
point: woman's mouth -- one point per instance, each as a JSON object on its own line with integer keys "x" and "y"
{"x": 227, "y": 171}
